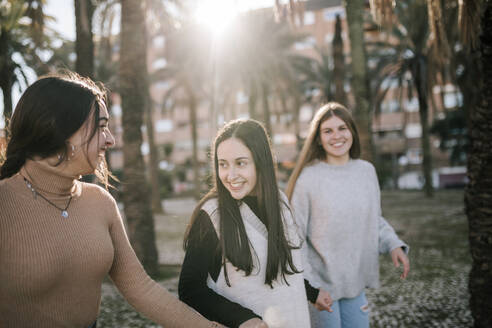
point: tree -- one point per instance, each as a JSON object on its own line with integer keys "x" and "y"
{"x": 21, "y": 33}
{"x": 134, "y": 88}
{"x": 475, "y": 24}
{"x": 360, "y": 82}
{"x": 409, "y": 52}
{"x": 263, "y": 57}
{"x": 339, "y": 63}
{"x": 478, "y": 192}
{"x": 189, "y": 48}
{"x": 84, "y": 44}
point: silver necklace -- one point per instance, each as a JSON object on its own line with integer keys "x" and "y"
{"x": 35, "y": 193}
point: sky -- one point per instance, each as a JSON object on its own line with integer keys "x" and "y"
{"x": 63, "y": 11}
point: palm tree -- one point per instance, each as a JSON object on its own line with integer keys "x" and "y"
{"x": 134, "y": 95}
{"x": 263, "y": 56}
{"x": 409, "y": 52}
{"x": 186, "y": 71}
{"x": 475, "y": 23}
{"x": 84, "y": 44}
{"x": 478, "y": 193}
{"x": 360, "y": 81}
{"x": 339, "y": 63}
{"x": 21, "y": 38}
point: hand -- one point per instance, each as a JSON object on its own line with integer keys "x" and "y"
{"x": 397, "y": 256}
{"x": 254, "y": 323}
{"x": 324, "y": 301}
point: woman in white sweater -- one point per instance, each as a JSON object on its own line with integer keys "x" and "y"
{"x": 335, "y": 197}
{"x": 242, "y": 265}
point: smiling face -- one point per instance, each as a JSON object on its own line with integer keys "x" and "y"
{"x": 237, "y": 169}
{"x": 336, "y": 139}
{"x": 88, "y": 156}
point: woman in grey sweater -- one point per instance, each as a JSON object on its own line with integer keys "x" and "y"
{"x": 336, "y": 201}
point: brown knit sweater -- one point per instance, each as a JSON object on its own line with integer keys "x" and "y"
{"x": 52, "y": 268}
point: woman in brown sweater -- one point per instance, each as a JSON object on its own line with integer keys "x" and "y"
{"x": 60, "y": 237}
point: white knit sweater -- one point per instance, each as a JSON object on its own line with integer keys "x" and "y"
{"x": 338, "y": 210}
{"x": 284, "y": 306}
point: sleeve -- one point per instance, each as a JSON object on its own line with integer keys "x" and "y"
{"x": 311, "y": 292}
{"x": 301, "y": 206}
{"x": 143, "y": 293}
{"x": 388, "y": 239}
{"x": 203, "y": 257}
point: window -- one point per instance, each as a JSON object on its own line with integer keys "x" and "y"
{"x": 308, "y": 43}
{"x": 116, "y": 110}
{"x": 159, "y": 63}
{"x": 390, "y": 106}
{"x": 241, "y": 98}
{"x": 330, "y": 14}
{"x": 413, "y": 130}
{"x": 159, "y": 41}
{"x": 309, "y": 18}
{"x": 284, "y": 139}
{"x": 328, "y": 37}
{"x": 305, "y": 113}
{"x": 164, "y": 126}
{"x": 411, "y": 105}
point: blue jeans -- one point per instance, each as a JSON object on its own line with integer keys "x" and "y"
{"x": 347, "y": 313}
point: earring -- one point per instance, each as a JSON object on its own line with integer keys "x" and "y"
{"x": 72, "y": 153}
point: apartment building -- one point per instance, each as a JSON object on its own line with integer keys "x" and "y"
{"x": 396, "y": 128}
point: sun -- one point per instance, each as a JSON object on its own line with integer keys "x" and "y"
{"x": 215, "y": 14}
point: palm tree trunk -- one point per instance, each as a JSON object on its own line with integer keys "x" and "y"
{"x": 194, "y": 141}
{"x": 84, "y": 44}
{"x": 266, "y": 108}
{"x": 6, "y": 87}
{"x": 153, "y": 160}
{"x": 339, "y": 63}
{"x": 133, "y": 90}
{"x": 252, "y": 100}
{"x": 478, "y": 192}
{"x": 6, "y": 75}
{"x": 297, "y": 124}
{"x": 425, "y": 140}
{"x": 360, "y": 83}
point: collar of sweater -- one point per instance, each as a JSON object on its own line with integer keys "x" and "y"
{"x": 49, "y": 180}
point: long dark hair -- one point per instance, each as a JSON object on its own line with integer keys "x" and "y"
{"x": 49, "y": 112}
{"x": 312, "y": 148}
{"x": 233, "y": 240}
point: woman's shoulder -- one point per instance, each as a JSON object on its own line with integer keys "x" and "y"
{"x": 310, "y": 171}
{"x": 210, "y": 206}
{"x": 364, "y": 165}
{"x": 96, "y": 192}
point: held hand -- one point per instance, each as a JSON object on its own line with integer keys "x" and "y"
{"x": 254, "y": 323}
{"x": 397, "y": 256}
{"x": 324, "y": 301}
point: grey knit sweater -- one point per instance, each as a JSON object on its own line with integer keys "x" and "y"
{"x": 338, "y": 210}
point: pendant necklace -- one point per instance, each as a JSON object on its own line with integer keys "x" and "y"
{"x": 35, "y": 193}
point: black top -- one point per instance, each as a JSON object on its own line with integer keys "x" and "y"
{"x": 203, "y": 257}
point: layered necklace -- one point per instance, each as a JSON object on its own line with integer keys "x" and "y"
{"x": 35, "y": 193}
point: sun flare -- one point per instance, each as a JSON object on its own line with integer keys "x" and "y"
{"x": 216, "y": 14}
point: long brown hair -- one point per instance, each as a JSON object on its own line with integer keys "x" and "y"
{"x": 312, "y": 149}
{"x": 233, "y": 240}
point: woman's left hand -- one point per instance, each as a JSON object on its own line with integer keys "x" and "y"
{"x": 397, "y": 256}
{"x": 324, "y": 301}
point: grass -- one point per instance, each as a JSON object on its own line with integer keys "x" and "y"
{"x": 434, "y": 295}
